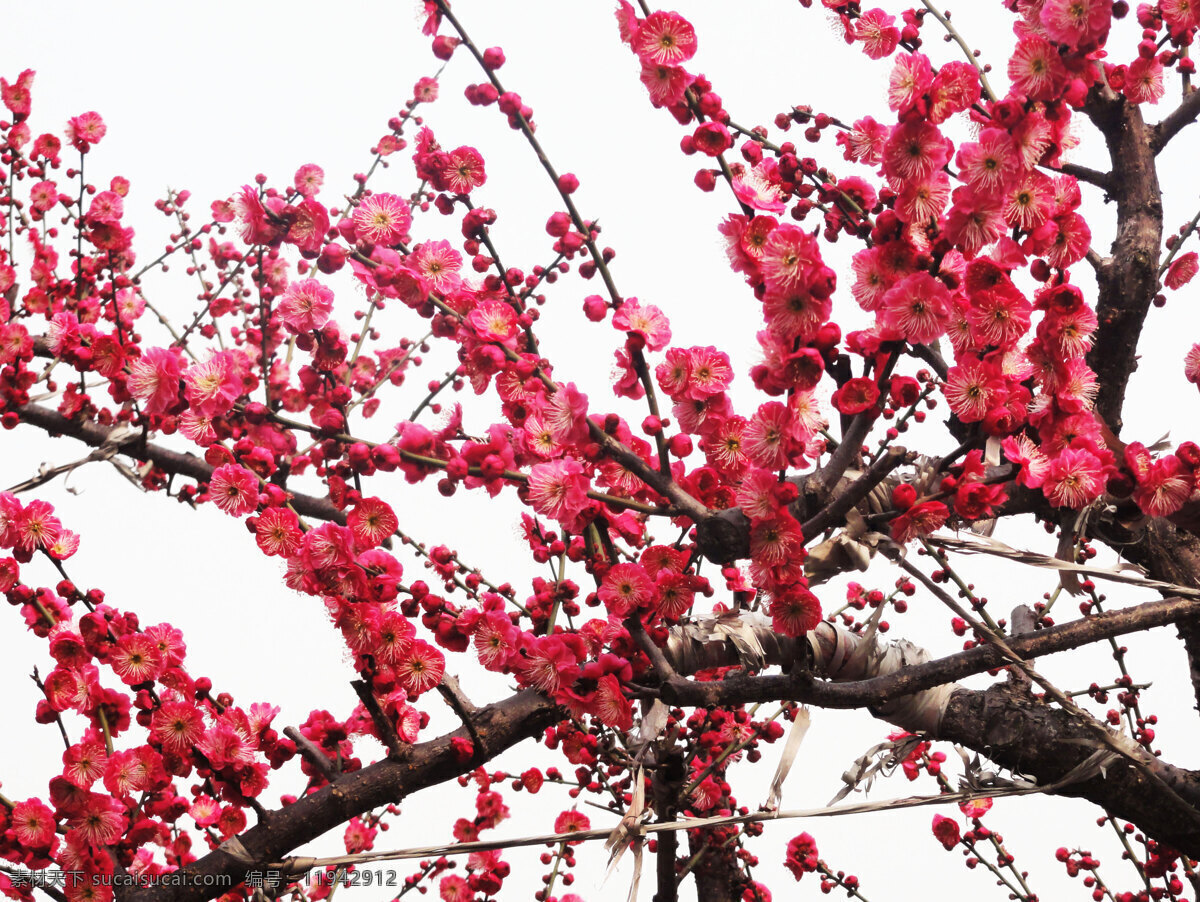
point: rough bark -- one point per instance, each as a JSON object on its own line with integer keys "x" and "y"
{"x": 1030, "y": 737}
{"x": 499, "y": 726}
{"x": 717, "y": 876}
{"x": 1128, "y": 280}
{"x": 1170, "y": 552}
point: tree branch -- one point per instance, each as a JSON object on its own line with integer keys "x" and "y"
{"x": 1085, "y": 174}
{"x": 431, "y": 763}
{"x": 176, "y": 462}
{"x": 1178, "y": 119}
{"x": 1128, "y": 281}
{"x": 691, "y": 654}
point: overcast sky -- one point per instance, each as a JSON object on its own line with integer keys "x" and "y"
{"x": 204, "y": 96}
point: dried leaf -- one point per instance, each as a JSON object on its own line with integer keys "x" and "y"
{"x": 1121, "y": 573}
{"x": 795, "y": 737}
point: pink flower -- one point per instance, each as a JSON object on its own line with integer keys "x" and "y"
{"x": 205, "y": 811}
{"x": 910, "y": 78}
{"x": 559, "y": 489}
{"x": 154, "y": 380}
{"x": 864, "y": 142}
{"x": 437, "y": 264}
{"x": 789, "y": 256}
{"x": 914, "y": 151}
{"x": 305, "y": 306}
{"x": 309, "y": 226}
{"x": 987, "y": 166}
{"x": 493, "y": 321}
{"x": 667, "y": 84}
{"x": 955, "y": 89}
{"x": 664, "y": 39}
{"x": 17, "y": 95}
{"x": 32, "y": 823}
{"x": 85, "y": 130}
{"x": 1077, "y": 23}
{"x": 1036, "y": 69}
{"x": 177, "y": 726}
{"x": 420, "y": 669}
{"x": 136, "y": 659}
{"x": 795, "y": 612}
{"x": 1144, "y": 80}
{"x": 101, "y": 822}
{"x": 625, "y": 588}
{"x": 919, "y": 520}
{"x": 875, "y": 31}
{"x": 795, "y": 313}
{"x": 463, "y": 170}
{"x": 971, "y": 390}
{"x": 1191, "y": 365}
{"x": 712, "y": 139}
{"x": 382, "y": 219}
{"x": 709, "y": 373}
{"x": 233, "y": 489}
{"x": 1074, "y": 479}
{"x": 802, "y": 856}
{"x": 308, "y": 179}
{"x": 1163, "y": 486}
{"x": 759, "y": 187}
{"x": 544, "y": 662}
{"x": 395, "y": 638}
{"x": 917, "y": 309}
{"x": 36, "y": 526}
{"x": 647, "y": 322}
{"x": 855, "y": 396}
{"x": 213, "y": 386}
{"x": 975, "y": 808}
{"x": 1182, "y": 270}
{"x": 372, "y": 521}
{"x": 1180, "y": 15}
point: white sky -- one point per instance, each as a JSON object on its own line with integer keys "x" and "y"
{"x": 205, "y": 96}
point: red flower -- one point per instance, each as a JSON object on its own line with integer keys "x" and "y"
{"x": 233, "y": 489}
{"x": 16, "y": 96}
{"x": 946, "y": 831}
{"x": 1182, "y": 270}
{"x": 919, "y": 520}
{"x": 372, "y": 521}
{"x": 664, "y": 39}
{"x": 802, "y": 855}
{"x": 857, "y": 395}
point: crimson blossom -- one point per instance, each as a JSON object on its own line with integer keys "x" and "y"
{"x": 690, "y": 536}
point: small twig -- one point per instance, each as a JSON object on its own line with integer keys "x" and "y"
{"x": 834, "y": 512}
{"x": 958, "y": 39}
{"x": 387, "y": 732}
{"x": 312, "y": 754}
{"x": 465, "y": 709}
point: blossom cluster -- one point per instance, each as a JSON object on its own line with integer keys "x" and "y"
{"x": 275, "y": 395}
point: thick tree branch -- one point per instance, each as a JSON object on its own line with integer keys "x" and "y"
{"x": 1044, "y": 741}
{"x": 692, "y": 654}
{"x": 503, "y": 725}
{"x": 1170, "y": 552}
{"x": 1028, "y": 736}
{"x": 1128, "y": 281}
{"x": 1178, "y": 119}
{"x": 834, "y": 513}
